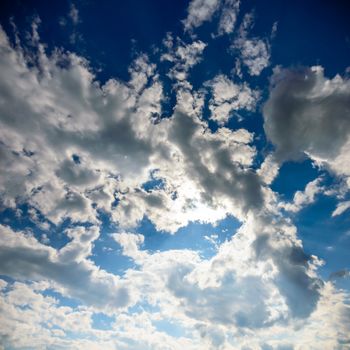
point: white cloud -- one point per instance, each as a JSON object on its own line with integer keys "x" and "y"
{"x": 229, "y": 97}
{"x": 253, "y": 52}
{"x": 341, "y": 208}
{"x": 307, "y": 113}
{"x": 303, "y": 198}
{"x": 23, "y": 257}
{"x": 183, "y": 56}
{"x": 269, "y": 169}
{"x": 31, "y": 319}
{"x": 130, "y": 243}
{"x": 259, "y": 282}
{"x": 102, "y": 143}
{"x": 228, "y": 16}
{"x": 69, "y": 115}
{"x": 200, "y": 11}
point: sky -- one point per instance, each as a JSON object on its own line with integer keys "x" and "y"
{"x": 174, "y": 175}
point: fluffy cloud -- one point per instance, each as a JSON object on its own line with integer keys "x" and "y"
{"x": 205, "y": 187}
{"x": 200, "y": 11}
{"x": 104, "y": 141}
{"x": 32, "y": 319}
{"x": 307, "y": 113}
{"x": 183, "y": 56}
{"x": 23, "y": 257}
{"x": 228, "y": 97}
{"x": 341, "y": 208}
{"x": 303, "y": 198}
{"x": 253, "y": 52}
{"x": 316, "y": 105}
{"x": 64, "y": 157}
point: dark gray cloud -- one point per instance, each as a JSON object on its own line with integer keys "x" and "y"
{"x": 306, "y": 112}
{"x": 339, "y": 274}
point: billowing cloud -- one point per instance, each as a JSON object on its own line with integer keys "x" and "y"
{"x": 308, "y": 113}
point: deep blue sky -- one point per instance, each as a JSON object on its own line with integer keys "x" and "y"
{"x": 113, "y": 31}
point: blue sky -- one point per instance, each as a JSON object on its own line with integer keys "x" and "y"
{"x": 174, "y": 175}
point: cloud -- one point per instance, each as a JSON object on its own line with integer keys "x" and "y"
{"x": 103, "y": 142}
{"x": 200, "y": 11}
{"x": 341, "y": 208}
{"x": 199, "y": 188}
{"x": 33, "y": 318}
{"x": 23, "y": 257}
{"x": 30, "y": 318}
{"x": 67, "y": 115}
{"x": 303, "y": 198}
{"x": 307, "y": 114}
{"x": 130, "y": 243}
{"x": 280, "y": 271}
{"x": 269, "y": 169}
{"x": 253, "y": 52}
{"x": 260, "y": 282}
{"x": 183, "y": 56}
{"x": 228, "y": 97}
{"x": 228, "y": 16}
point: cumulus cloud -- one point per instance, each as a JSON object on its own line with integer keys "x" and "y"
{"x": 130, "y": 243}
{"x": 307, "y": 113}
{"x": 104, "y": 141}
{"x": 23, "y": 257}
{"x": 259, "y": 282}
{"x": 32, "y": 319}
{"x": 211, "y": 179}
{"x": 58, "y": 156}
{"x": 74, "y": 14}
